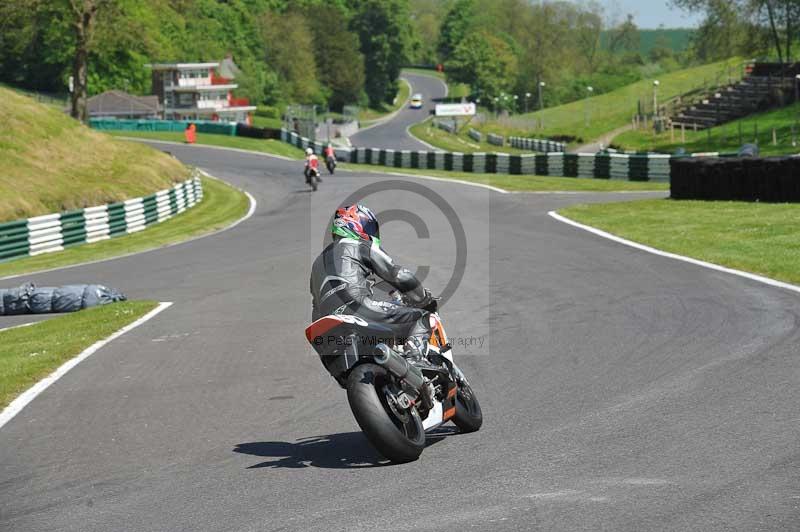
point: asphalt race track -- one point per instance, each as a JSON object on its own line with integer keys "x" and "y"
{"x": 393, "y": 134}
{"x": 621, "y": 390}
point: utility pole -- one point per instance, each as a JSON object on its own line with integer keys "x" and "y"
{"x": 541, "y": 100}
{"x": 656, "y": 83}
{"x": 541, "y": 104}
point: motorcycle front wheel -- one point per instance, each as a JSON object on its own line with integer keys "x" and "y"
{"x": 399, "y": 436}
{"x": 469, "y": 416}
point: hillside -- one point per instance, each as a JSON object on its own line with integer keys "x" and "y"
{"x": 610, "y": 111}
{"x": 52, "y": 163}
{"x": 756, "y": 128}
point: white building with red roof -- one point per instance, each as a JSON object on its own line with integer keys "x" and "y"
{"x": 196, "y": 91}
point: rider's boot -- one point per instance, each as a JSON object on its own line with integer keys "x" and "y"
{"x": 416, "y": 352}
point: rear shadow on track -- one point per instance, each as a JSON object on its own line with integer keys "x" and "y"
{"x": 346, "y": 450}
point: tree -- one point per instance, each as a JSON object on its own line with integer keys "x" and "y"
{"x": 84, "y": 18}
{"x": 625, "y": 37}
{"x": 742, "y": 26}
{"x": 427, "y": 17}
{"x": 455, "y": 26}
{"x": 289, "y": 50}
{"x": 485, "y": 62}
{"x": 589, "y": 30}
{"x": 383, "y": 29}
{"x": 340, "y": 65}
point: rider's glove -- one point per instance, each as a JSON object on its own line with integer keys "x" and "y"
{"x": 429, "y": 303}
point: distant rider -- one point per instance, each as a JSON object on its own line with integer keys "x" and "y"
{"x": 330, "y": 157}
{"x": 312, "y": 163}
{"x": 339, "y": 281}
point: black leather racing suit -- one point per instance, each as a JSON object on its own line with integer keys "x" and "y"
{"x": 339, "y": 286}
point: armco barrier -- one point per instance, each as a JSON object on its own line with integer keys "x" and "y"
{"x": 54, "y": 232}
{"x": 630, "y": 167}
{"x": 543, "y": 146}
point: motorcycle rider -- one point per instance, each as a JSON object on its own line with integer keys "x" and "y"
{"x": 339, "y": 282}
{"x": 312, "y": 163}
{"x": 330, "y": 157}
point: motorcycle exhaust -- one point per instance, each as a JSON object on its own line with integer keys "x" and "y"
{"x": 398, "y": 366}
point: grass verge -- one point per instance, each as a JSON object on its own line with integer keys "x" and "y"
{"x": 521, "y": 183}
{"x": 760, "y": 238}
{"x": 461, "y": 142}
{"x": 222, "y": 205}
{"x": 28, "y": 354}
{"x": 270, "y": 146}
{"x": 727, "y": 137}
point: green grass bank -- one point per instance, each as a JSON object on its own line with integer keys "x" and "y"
{"x": 759, "y": 238}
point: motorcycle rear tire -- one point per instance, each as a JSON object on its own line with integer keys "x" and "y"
{"x": 398, "y": 441}
{"x": 314, "y": 183}
{"x": 469, "y": 416}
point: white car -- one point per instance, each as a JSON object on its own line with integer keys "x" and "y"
{"x": 416, "y": 101}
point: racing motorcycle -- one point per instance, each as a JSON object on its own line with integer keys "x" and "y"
{"x": 312, "y": 177}
{"x": 394, "y": 400}
{"x": 330, "y": 162}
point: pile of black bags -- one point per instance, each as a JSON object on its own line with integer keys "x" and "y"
{"x": 30, "y": 299}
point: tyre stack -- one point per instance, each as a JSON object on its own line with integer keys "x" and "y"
{"x": 774, "y": 179}
{"x": 586, "y": 165}
{"x": 637, "y": 168}
{"x": 570, "y": 165}
{"x": 555, "y": 164}
{"x": 602, "y": 166}
{"x": 541, "y": 165}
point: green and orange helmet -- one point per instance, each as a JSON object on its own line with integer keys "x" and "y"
{"x": 357, "y": 222}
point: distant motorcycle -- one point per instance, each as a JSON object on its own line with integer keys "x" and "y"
{"x": 330, "y": 162}
{"x": 312, "y": 177}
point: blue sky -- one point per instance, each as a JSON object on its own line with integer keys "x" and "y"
{"x": 651, "y": 13}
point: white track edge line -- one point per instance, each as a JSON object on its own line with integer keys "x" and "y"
{"x": 449, "y": 180}
{"x": 675, "y": 256}
{"x": 16, "y": 406}
{"x": 20, "y": 326}
{"x": 253, "y": 206}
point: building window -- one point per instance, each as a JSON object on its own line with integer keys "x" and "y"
{"x": 185, "y": 99}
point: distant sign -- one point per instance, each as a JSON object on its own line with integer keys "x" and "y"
{"x": 455, "y": 109}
